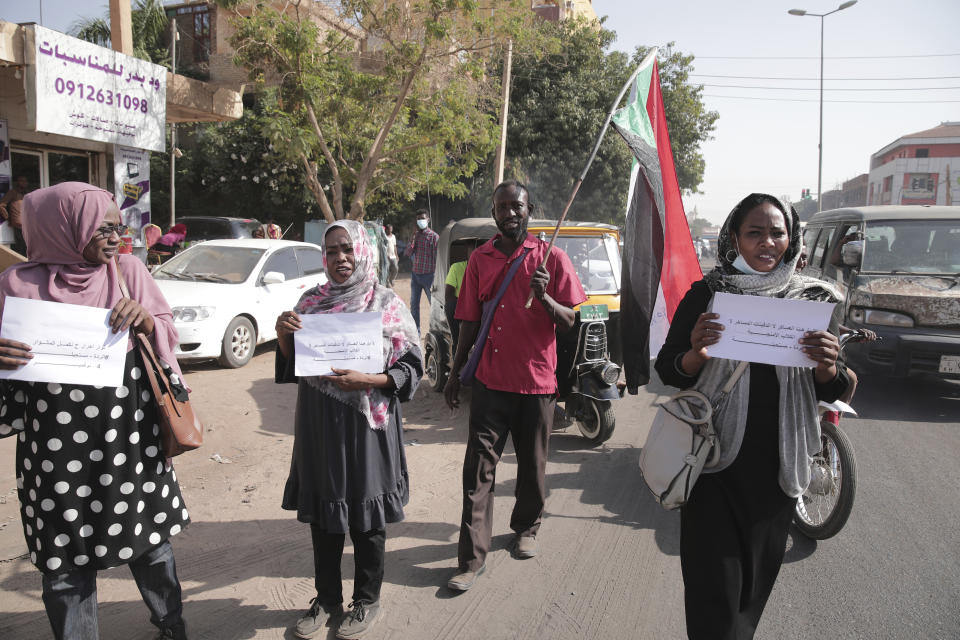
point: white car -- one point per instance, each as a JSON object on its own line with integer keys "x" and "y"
{"x": 226, "y": 294}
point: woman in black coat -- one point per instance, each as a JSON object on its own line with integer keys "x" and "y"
{"x": 733, "y": 530}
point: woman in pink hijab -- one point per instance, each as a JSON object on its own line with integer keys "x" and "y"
{"x": 95, "y": 489}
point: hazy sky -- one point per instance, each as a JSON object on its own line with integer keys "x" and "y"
{"x": 771, "y": 145}
{"x": 908, "y": 49}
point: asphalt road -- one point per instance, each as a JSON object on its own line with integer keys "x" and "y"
{"x": 894, "y": 570}
{"x": 609, "y": 566}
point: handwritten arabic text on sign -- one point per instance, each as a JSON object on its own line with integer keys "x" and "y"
{"x": 87, "y": 91}
{"x": 767, "y": 330}
{"x": 339, "y": 340}
{"x": 71, "y": 344}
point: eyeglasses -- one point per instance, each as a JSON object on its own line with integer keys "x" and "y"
{"x": 108, "y": 230}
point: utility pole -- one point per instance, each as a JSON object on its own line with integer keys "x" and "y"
{"x": 174, "y": 35}
{"x": 804, "y": 12}
{"x": 121, "y": 29}
{"x": 504, "y": 110}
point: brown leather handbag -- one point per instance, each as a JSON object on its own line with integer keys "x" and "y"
{"x": 180, "y": 428}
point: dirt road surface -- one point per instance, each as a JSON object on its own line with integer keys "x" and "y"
{"x": 246, "y": 565}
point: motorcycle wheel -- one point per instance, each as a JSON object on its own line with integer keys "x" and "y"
{"x": 825, "y": 506}
{"x": 435, "y": 369}
{"x": 596, "y": 421}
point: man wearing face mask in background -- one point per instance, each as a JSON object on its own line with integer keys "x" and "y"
{"x": 515, "y": 385}
{"x": 423, "y": 249}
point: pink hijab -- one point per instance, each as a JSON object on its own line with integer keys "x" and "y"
{"x": 58, "y": 222}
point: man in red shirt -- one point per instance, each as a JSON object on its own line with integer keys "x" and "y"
{"x": 514, "y": 388}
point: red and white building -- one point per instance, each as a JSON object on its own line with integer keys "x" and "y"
{"x": 919, "y": 168}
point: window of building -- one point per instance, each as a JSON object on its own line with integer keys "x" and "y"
{"x": 921, "y": 182}
{"x": 922, "y": 153}
{"x": 201, "y": 35}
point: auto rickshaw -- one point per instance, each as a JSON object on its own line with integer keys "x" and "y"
{"x": 588, "y": 356}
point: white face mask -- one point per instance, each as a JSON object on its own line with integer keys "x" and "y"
{"x": 422, "y": 223}
{"x": 741, "y": 265}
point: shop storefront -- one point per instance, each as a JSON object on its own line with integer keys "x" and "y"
{"x": 52, "y": 137}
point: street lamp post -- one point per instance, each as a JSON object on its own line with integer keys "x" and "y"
{"x": 804, "y": 12}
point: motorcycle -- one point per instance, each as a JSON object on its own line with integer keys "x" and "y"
{"x": 825, "y": 506}
{"x": 587, "y": 375}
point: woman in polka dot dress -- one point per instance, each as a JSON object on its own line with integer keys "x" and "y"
{"x": 95, "y": 489}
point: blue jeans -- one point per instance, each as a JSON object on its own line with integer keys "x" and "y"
{"x": 419, "y": 282}
{"x": 71, "y": 598}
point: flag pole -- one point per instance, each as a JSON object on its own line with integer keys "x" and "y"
{"x": 583, "y": 174}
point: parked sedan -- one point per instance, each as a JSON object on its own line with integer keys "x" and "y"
{"x": 226, "y": 294}
{"x": 218, "y": 227}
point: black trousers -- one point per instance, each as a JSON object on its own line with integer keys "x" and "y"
{"x": 493, "y": 416}
{"x": 368, "y": 559}
{"x": 731, "y": 547}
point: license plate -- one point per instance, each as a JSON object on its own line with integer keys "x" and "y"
{"x": 589, "y": 312}
{"x": 949, "y": 364}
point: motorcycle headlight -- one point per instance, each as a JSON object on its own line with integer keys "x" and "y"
{"x": 610, "y": 373}
{"x": 192, "y": 314}
{"x": 880, "y": 317}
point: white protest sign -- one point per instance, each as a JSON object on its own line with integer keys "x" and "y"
{"x": 87, "y": 91}
{"x": 767, "y": 330}
{"x": 71, "y": 344}
{"x": 339, "y": 340}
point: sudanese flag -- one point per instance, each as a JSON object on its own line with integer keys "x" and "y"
{"x": 659, "y": 261}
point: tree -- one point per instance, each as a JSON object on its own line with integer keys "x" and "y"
{"x": 395, "y": 97}
{"x": 557, "y": 107}
{"x": 149, "y": 25}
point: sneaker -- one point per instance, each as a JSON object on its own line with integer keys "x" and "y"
{"x": 525, "y": 547}
{"x": 463, "y": 580}
{"x": 316, "y": 618}
{"x": 362, "y": 616}
{"x": 176, "y": 632}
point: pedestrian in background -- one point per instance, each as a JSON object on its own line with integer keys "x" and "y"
{"x": 451, "y": 292}
{"x": 349, "y": 470}
{"x": 172, "y": 241}
{"x": 394, "y": 265}
{"x": 94, "y": 486}
{"x": 273, "y": 230}
{"x": 733, "y": 530}
{"x": 515, "y": 385}
{"x": 11, "y": 210}
{"x": 423, "y": 250}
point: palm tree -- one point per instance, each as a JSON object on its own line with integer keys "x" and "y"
{"x": 149, "y": 23}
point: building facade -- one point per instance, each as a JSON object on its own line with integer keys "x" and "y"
{"x": 45, "y": 159}
{"x": 854, "y": 191}
{"x": 919, "y": 168}
{"x": 556, "y": 10}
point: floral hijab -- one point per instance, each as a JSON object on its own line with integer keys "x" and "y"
{"x": 362, "y": 292}
{"x": 783, "y": 281}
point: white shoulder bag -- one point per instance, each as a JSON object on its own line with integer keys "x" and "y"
{"x": 681, "y": 443}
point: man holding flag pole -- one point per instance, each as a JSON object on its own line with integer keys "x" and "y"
{"x": 659, "y": 262}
